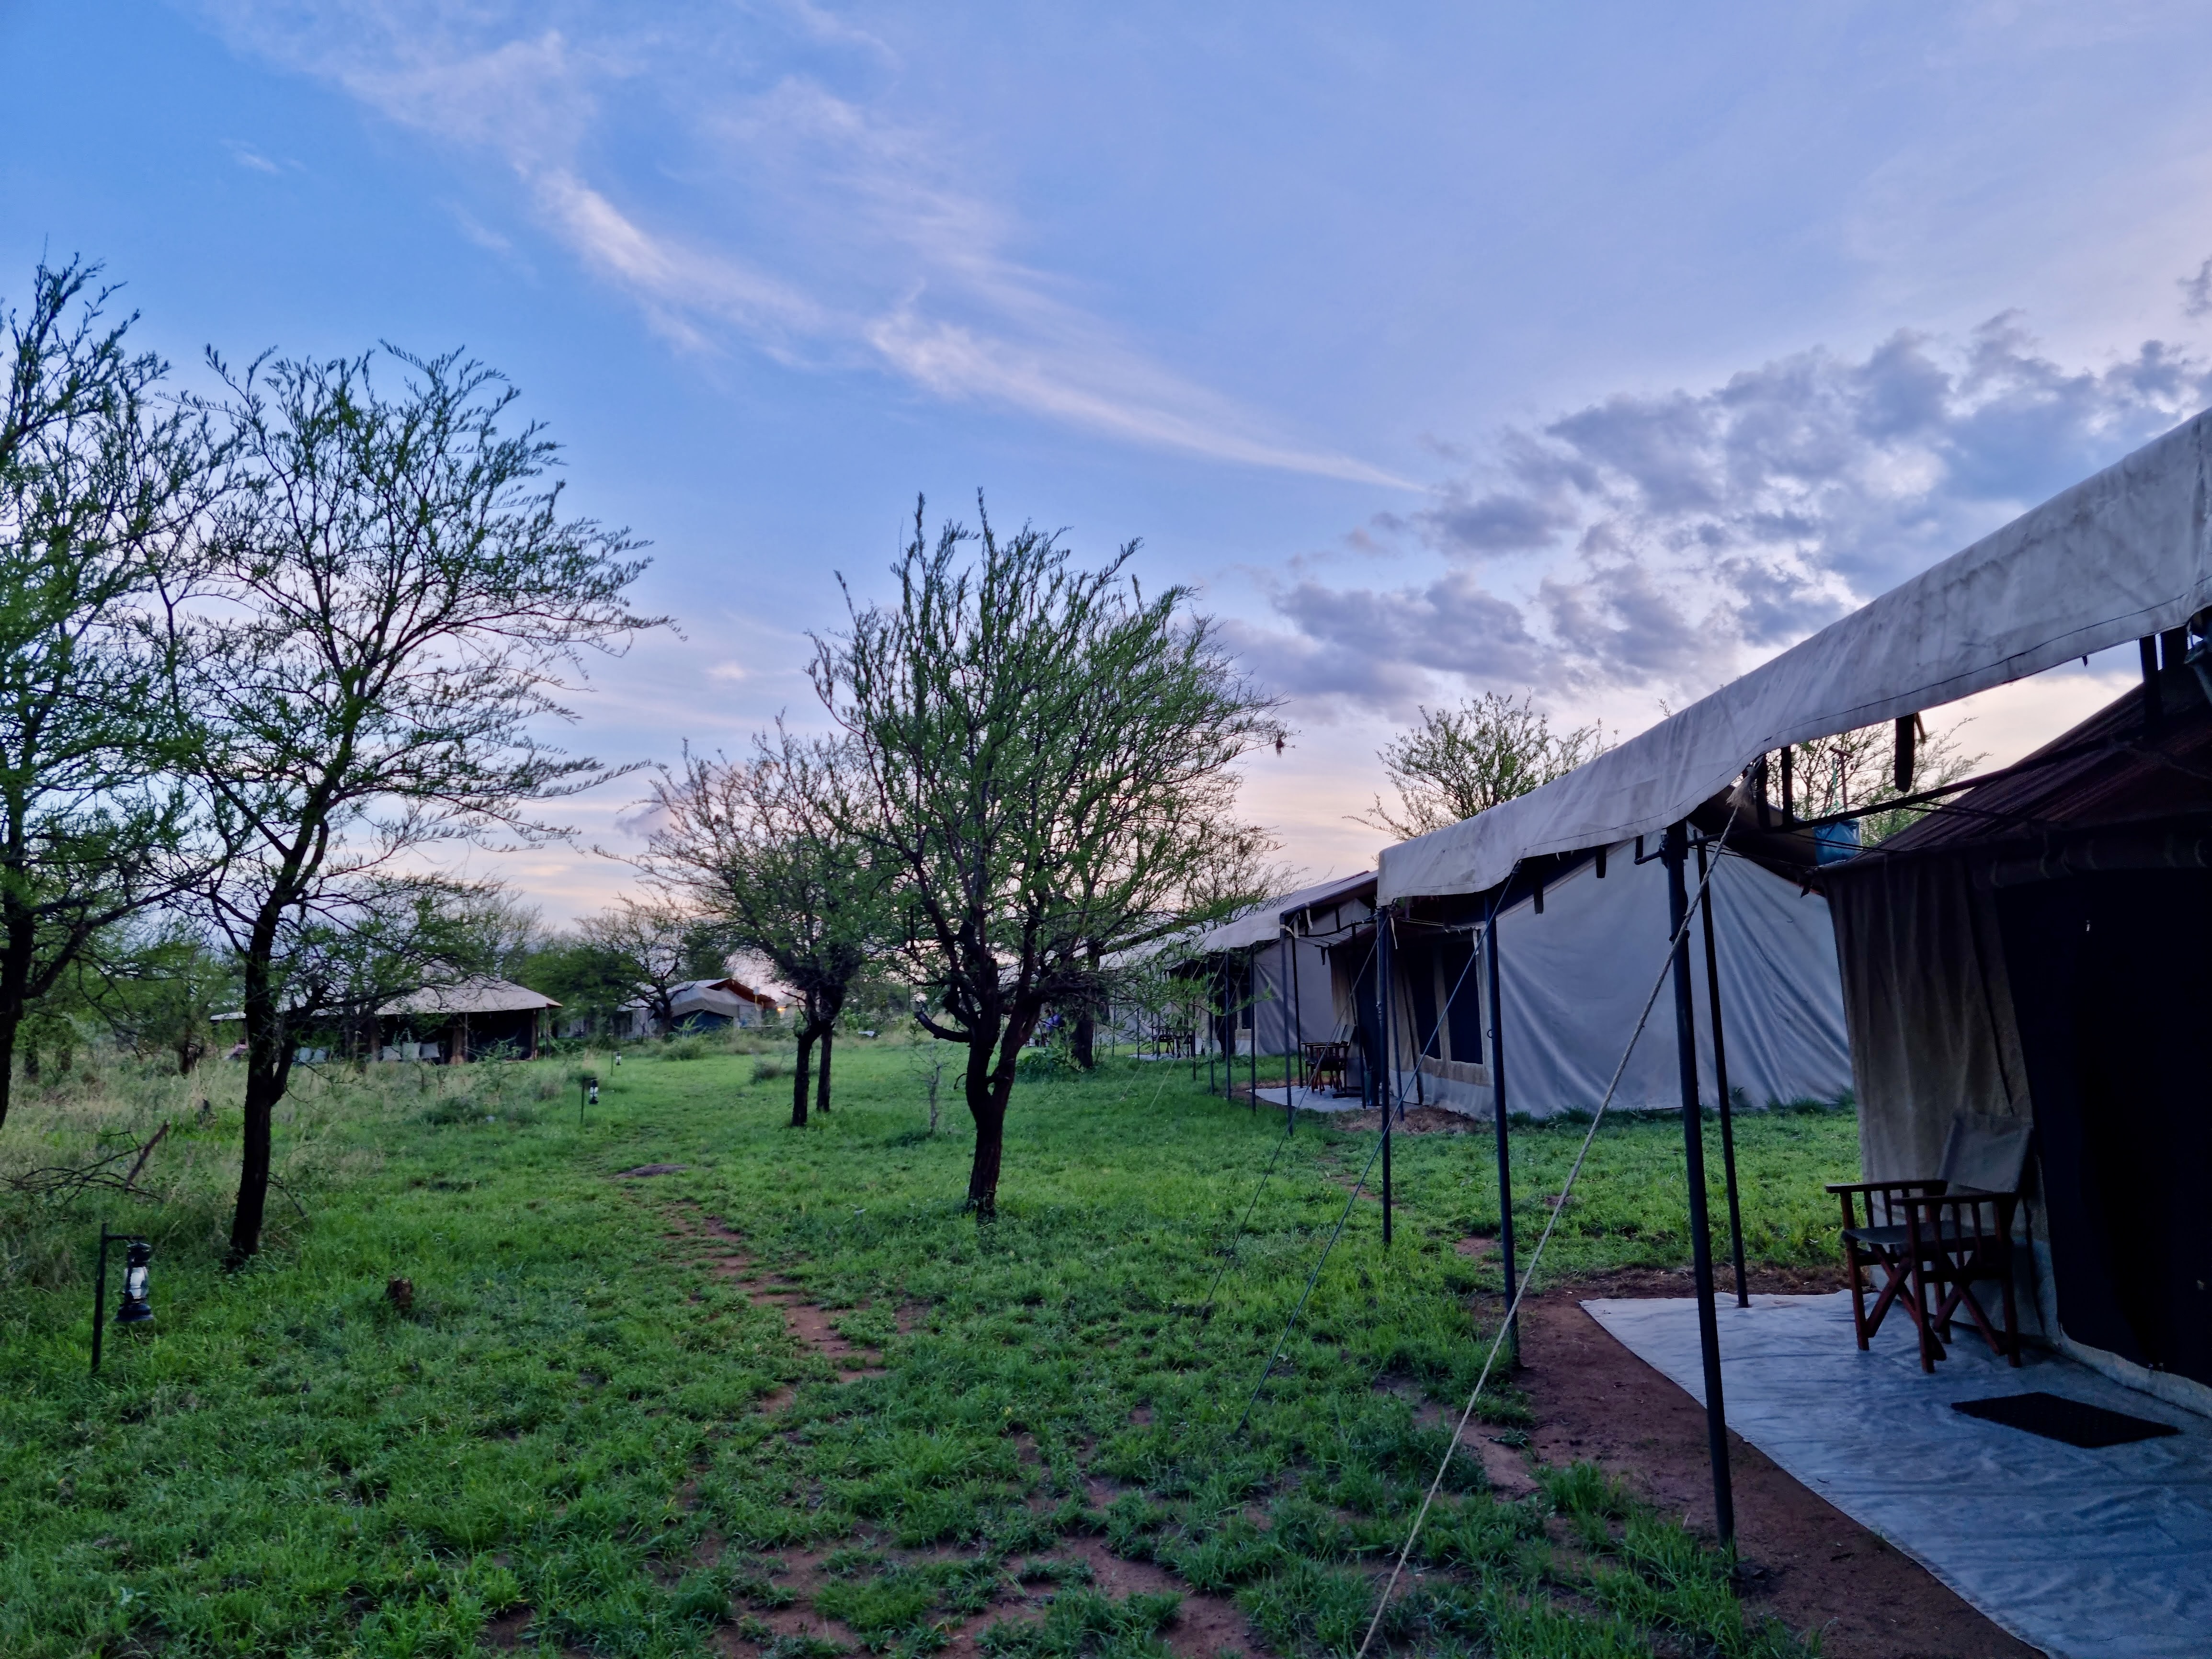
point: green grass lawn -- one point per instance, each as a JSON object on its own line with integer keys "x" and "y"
{"x": 566, "y": 1429}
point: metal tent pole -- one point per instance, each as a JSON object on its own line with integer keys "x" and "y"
{"x": 1383, "y": 1061}
{"x": 1676, "y": 854}
{"x": 1497, "y": 1114}
{"x": 1252, "y": 1000}
{"x": 1720, "y": 1076}
{"x": 1298, "y": 1036}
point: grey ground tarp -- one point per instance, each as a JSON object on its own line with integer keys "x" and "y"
{"x": 2118, "y": 556}
{"x": 1574, "y": 980}
{"x": 2087, "y": 1554}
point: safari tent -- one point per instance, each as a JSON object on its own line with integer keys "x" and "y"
{"x": 2034, "y": 953}
{"x": 477, "y": 1017}
{"x": 1271, "y": 973}
{"x": 1575, "y": 939}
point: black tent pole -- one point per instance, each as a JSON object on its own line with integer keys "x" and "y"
{"x": 1252, "y": 997}
{"x": 1720, "y": 1077}
{"x": 1297, "y": 1033}
{"x": 1498, "y": 1115}
{"x": 1676, "y": 854}
{"x": 1382, "y": 1062}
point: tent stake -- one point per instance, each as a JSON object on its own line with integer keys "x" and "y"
{"x": 1720, "y": 1076}
{"x": 1504, "y": 1149}
{"x": 1676, "y": 854}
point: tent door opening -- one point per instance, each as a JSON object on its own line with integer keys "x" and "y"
{"x": 2112, "y": 985}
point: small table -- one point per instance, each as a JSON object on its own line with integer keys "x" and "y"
{"x": 1328, "y": 1060}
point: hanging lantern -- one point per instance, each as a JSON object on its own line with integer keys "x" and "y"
{"x": 138, "y": 1309}
{"x": 135, "y": 1309}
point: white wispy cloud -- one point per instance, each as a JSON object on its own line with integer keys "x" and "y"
{"x": 813, "y": 227}
{"x": 250, "y": 158}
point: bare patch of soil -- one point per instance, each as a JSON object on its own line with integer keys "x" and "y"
{"x": 1418, "y": 1121}
{"x": 814, "y": 1326}
{"x": 1808, "y": 1563}
{"x": 1205, "y": 1626}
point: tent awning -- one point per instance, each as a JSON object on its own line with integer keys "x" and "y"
{"x": 2118, "y": 556}
{"x": 1262, "y": 923}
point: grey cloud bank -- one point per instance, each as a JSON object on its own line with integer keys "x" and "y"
{"x": 1660, "y": 543}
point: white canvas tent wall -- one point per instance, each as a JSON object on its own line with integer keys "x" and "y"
{"x": 1574, "y": 978}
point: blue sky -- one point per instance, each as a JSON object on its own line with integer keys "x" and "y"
{"x": 1596, "y": 350}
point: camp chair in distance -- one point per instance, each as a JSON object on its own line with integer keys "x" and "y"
{"x": 1949, "y": 1231}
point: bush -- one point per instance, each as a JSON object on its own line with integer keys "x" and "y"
{"x": 768, "y": 1068}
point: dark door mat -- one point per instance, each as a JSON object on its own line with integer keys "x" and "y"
{"x": 2055, "y": 1418}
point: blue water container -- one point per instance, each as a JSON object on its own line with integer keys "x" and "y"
{"x": 1834, "y": 843}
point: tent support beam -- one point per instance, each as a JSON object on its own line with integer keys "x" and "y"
{"x": 1720, "y": 1077}
{"x": 1504, "y": 1147}
{"x": 1676, "y": 852}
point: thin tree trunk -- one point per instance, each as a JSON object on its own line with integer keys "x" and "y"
{"x": 822, "y": 1083}
{"x": 990, "y": 1114}
{"x": 261, "y": 1097}
{"x": 800, "y": 1074}
{"x": 268, "y": 1067}
{"x": 11, "y": 1020}
{"x": 1084, "y": 1046}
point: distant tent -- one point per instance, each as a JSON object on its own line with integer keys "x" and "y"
{"x": 473, "y": 1019}
{"x": 703, "y": 1005}
{"x": 2037, "y": 951}
{"x": 1273, "y": 975}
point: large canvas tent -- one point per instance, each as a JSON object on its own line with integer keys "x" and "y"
{"x": 476, "y": 1017}
{"x": 2034, "y": 952}
{"x": 2123, "y": 555}
{"x": 1577, "y": 956}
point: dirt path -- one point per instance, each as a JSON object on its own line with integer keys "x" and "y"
{"x": 1205, "y": 1626}
{"x": 1812, "y": 1565}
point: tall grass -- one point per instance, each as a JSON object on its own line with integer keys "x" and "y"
{"x": 563, "y": 1423}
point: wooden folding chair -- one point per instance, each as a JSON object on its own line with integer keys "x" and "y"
{"x": 1957, "y": 1240}
{"x": 1951, "y": 1230}
{"x": 1879, "y": 1236}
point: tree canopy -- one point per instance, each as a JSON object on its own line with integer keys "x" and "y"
{"x": 1454, "y": 762}
{"x": 1048, "y": 756}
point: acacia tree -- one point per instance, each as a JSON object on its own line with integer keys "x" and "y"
{"x": 99, "y": 485}
{"x": 157, "y": 983}
{"x": 1455, "y": 762}
{"x": 1049, "y": 757}
{"x": 778, "y": 849}
{"x": 392, "y": 599}
{"x": 654, "y": 942}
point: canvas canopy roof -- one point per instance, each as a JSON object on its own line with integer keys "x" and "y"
{"x": 1263, "y": 922}
{"x": 2120, "y": 556}
{"x": 479, "y": 994}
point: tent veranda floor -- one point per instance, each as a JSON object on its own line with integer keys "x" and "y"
{"x": 2081, "y": 1553}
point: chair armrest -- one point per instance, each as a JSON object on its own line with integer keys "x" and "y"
{"x": 1928, "y": 1185}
